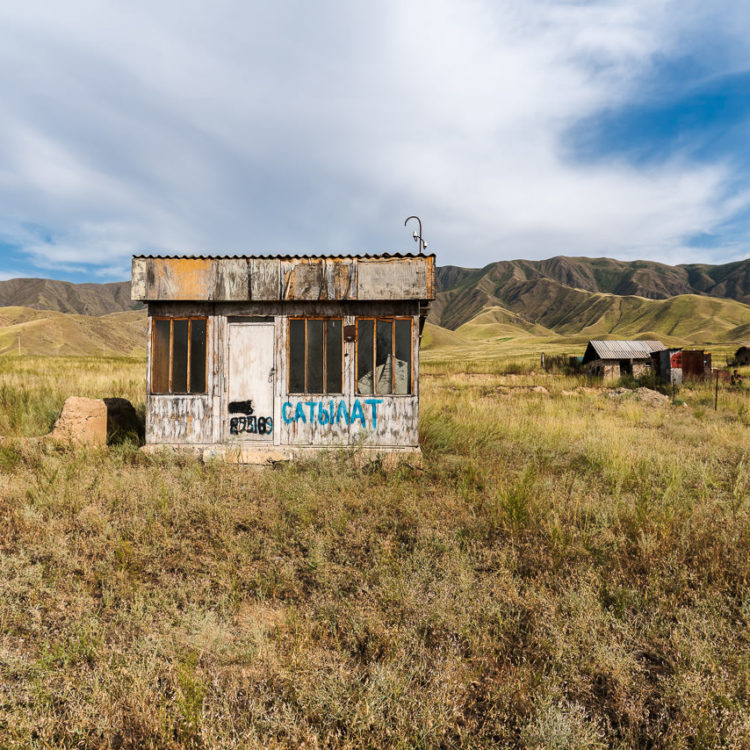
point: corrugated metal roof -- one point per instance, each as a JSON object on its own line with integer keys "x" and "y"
{"x": 285, "y": 257}
{"x": 626, "y": 349}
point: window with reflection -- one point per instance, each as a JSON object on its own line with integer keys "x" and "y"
{"x": 316, "y": 350}
{"x": 178, "y": 355}
{"x": 384, "y": 356}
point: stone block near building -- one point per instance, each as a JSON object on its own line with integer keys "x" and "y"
{"x": 83, "y": 421}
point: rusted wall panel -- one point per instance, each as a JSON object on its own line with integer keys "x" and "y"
{"x": 305, "y": 280}
{"x": 229, "y": 281}
{"x": 343, "y": 274}
{"x": 392, "y": 279}
{"x": 179, "y": 279}
{"x": 138, "y": 279}
{"x": 265, "y": 279}
{"x": 696, "y": 364}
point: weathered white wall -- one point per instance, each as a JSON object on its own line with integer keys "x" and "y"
{"x": 205, "y": 419}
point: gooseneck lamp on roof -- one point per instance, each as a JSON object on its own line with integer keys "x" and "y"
{"x": 421, "y": 244}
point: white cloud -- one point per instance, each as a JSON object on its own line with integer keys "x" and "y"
{"x": 313, "y": 127}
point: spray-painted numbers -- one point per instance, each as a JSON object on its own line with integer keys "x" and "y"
{"x": 241, "y": 407}
{"x": 251, "y": 425}
{"x": 331, "y": 412}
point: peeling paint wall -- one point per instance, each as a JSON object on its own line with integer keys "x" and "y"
{"x": 179, "y": 419}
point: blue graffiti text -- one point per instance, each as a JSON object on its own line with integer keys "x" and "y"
{"x": 331, "y": 413}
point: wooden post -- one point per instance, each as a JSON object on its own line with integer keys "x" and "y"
{"x": 716, "y": 397}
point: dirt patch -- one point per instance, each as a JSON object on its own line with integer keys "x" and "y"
{"x": 645, "y": 395}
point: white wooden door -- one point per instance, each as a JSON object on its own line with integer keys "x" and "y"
{"x": 249, "y": 403}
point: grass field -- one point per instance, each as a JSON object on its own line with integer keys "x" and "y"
{"x": 569, "y": 570}
{"x": 475, "y": 350}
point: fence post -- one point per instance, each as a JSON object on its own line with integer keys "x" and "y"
{"x": 716, "y": 397}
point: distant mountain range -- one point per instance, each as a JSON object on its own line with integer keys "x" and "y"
{"x": 561, "y": 296}
{"x": 465, "y": 291}
{"x": 63, "y": 296}
{"x": 595, "y": 297}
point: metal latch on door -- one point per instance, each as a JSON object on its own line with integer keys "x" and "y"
{"x": 270, "y": 375}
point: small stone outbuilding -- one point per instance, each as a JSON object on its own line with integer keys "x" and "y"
{"x": 613, "y": 359}
{"x": 259, "y": 358}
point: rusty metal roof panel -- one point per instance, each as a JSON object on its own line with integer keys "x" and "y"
{"x": 331, "y": 256}
{"x": 626, "y": 349}
{"x": 239, "y": 278}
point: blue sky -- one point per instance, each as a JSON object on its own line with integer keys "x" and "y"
{"x": 514, "y": 129}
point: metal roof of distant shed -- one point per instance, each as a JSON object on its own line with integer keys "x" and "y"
{"x": 617, "y": 350}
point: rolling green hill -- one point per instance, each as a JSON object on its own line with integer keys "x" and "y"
{"x": 563, "y": 301}
{"x": 497, "y": 322}
{"x": 48, "y": 332}
{"x": 554, "y": 314}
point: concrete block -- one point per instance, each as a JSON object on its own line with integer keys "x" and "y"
{"x": 83, "y": 421}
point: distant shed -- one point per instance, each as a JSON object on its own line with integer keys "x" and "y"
{"x": 612, "y": 359}
{"x": 667, "y": 366}
{"x": 696, "y": 364}
{"x": 266, "y": 357}
{"x": 742, "y": 356}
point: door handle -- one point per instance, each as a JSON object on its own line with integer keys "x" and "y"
{"x": 270, "y": 375}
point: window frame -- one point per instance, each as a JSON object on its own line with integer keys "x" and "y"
{"x": 384, "y": 319}
{"x": 172, "y": 319}
{"x": 324, "y": 318}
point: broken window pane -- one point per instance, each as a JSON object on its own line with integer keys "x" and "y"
{"x": 179, "y": 356}
{"x": 333, "y": 356}
{"x": 315, "y": 356}
{"x": 296, "y": 356}
{"x": 364, "y": 356}
{"x": 197, "y": 356}
{"x": 160, "y": 357}
{"x": 384, "y": 357}
{"x": 402, "y": 363}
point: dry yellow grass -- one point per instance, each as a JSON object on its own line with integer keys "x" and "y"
{"x": 568, "y": 571}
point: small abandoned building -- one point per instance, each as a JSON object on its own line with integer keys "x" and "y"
{"x": 696, "y": 364}
{"x": 613, "y": 359}
{"x": 667, "y": 366}
{"x": 259, "y": 358}
{"x": 742, "y": 356}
